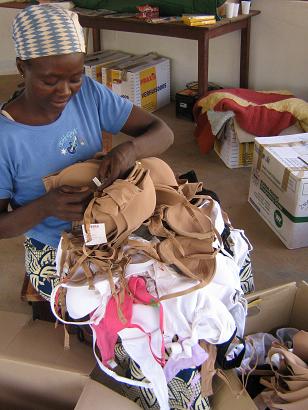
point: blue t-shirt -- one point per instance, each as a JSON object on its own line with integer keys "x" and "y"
{"x": 29, "y": 153}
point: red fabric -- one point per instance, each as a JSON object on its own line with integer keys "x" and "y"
{"x": 255, "y": 119}
{"x": 204, "y": 135}
{"x": 258, "y": 120}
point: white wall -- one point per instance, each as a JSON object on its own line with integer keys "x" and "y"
{"x": 7, "y": 52}
{"x": 279, "y": 46}
{"x": 278, "y": 59}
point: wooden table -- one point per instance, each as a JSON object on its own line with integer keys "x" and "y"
{"x": 178, "y": 30}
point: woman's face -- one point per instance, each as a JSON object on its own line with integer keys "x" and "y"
{"x": 51, "y": 81}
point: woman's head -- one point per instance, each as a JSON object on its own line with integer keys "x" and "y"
{"x": 50, "y": 49}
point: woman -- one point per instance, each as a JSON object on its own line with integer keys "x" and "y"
{"x": 56, "y": 121}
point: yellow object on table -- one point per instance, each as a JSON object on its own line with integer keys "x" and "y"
{"x": 198, "y": 20}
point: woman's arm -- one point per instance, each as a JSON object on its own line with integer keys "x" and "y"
{"x": 66, "y": 203}
{"x": 152, "y": 136}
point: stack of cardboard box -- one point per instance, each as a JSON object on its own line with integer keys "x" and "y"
{"x": 144, "y": 79}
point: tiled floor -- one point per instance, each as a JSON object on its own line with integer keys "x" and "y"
{"x": 273, "y": 263}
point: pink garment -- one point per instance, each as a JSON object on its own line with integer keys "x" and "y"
{"x": 108, "y": 328}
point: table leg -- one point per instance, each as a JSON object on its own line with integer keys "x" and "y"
{"x": 245, "y": 47}
{"x": 96, "y": 34}
{"x": 203, "y": 62}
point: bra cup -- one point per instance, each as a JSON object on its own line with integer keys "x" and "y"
{"x": 124, "y": 205}
{"x": 80, "y": 174}
{"x": 81, "y": 301}
{"x": 184, "y": 223}
{"x": 196, "y": 256}
{"x": 167, "y": 195}
{"x": 77, "y": 175}
{"x": 300, "y": 345}
{"x": 160, "y": 171}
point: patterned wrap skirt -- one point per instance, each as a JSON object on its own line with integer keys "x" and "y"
{"x": 40, "y": 264}
{"x": 184, "y": 390}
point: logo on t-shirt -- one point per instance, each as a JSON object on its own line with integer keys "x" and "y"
{"x": 69, "y": 142}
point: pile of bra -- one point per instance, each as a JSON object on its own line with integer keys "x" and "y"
{"x": 164, "y": 283}
{"x": 278, "y": 366}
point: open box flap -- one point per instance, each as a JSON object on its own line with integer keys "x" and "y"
{"x": 26, "y": 386}
{"x": 299, "y": 315}
{"x": 11, "y": 324}
{"x": 270, "y": 308}
{"x": 225, "y": 399}
{"x": 39, "y": 343}
{"x": 96, "y": 396}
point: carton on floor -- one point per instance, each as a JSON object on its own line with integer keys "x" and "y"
{"x": 37, "y": 373}
{"x": 235, "y": 148}
{"x": 279, "y": 186}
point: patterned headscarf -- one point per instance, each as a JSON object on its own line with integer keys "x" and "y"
{"x": 47, "y": 30}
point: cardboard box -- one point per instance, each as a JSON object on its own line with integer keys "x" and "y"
{"x": 279, "y": 186}
{"x": 223, "y": 398}
{"x": 35, "y": 370}
{"x": 94, "y": 62}
{"x": 147, "y": 84}
{"x": 37, "y": 373}
{"x": 235, "y": 147}
{"x": 96, "y": 396}
{"x": 278, "y": 307}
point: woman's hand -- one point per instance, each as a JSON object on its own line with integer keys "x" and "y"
{"x": 116, "y": 163}
{"x": 151, "y": 137}
{"x": 66, "y": 202}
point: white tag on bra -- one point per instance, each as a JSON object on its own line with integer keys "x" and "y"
{"x": 97, "y": 234}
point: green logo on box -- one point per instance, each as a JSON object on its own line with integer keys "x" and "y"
{"x": 278, "y": 218}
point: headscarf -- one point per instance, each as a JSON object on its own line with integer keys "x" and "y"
{"x": 47, "y": 30}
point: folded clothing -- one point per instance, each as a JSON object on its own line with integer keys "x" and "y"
{"x": 257, "y": 112}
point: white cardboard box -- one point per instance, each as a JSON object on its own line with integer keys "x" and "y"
{"x": 279, "y": 186}
{"x": 147, "y": 85}
{"x": 236, "y": 146}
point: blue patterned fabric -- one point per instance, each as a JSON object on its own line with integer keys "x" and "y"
{"x": 46, "y": 30}
{"x": 41, "y": 266}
